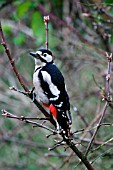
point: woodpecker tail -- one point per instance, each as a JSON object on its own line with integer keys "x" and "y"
{"x": 64, "y": 123}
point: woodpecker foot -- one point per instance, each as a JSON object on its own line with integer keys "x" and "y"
{"x": 32, "y": 94}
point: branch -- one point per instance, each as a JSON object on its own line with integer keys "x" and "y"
{"x": 88, "y": 129}
{"x": 68, "y": 141}
{"x": 11, "y": 60}
{"x": 26, "y": 143}
{"x": 25, "y": 119}
{"x": 9, "y": 115}
{"x": 56, "y": 145}
{"x": 96, "y": 130}
{"x": 104, "y": 143}
{"x": 83, "y": 120}
{"x": 78, "y": 153}
{"x": 87, "y": 140}
{"x": 60, "y": 22}
{"x": 109, "y": 57}
{"x": 28, "y": 94}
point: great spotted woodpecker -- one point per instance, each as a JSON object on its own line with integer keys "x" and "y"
{"x": 50, "y": 89}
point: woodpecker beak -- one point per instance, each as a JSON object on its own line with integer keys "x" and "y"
{"x": 35, "y": 55}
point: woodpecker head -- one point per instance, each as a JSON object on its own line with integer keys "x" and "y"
{"x": 42, "y": 56}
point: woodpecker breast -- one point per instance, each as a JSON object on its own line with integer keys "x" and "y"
{"x": 40, "y": 95}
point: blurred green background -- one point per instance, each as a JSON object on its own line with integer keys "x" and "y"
{"x": 80, "y": 32}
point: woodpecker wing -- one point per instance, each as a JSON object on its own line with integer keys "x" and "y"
{"x": 53, "y": 85}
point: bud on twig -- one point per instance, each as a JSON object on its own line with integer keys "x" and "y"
{"x": 109, "y": 57}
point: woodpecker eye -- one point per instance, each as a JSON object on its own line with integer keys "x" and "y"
{"x": 44, "y": 54}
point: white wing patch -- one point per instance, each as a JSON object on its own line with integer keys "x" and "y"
{"x": 54, "y": 90}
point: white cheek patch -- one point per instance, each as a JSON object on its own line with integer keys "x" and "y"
{"x": 49, "y": 58}
{"x": 54, "y": 90}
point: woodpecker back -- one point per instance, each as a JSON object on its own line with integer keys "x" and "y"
{"x": 50, "y": 89}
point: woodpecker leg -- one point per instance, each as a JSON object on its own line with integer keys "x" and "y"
{"x": 32, "y": 94}
{"x": 58, "y": 128}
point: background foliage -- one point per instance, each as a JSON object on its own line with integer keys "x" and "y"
{"x": 79, "y": 34}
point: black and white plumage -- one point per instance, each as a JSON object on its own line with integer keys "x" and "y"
{"x": 50, "y": 88}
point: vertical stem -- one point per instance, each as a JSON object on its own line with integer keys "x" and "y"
{"x": 47, "y": 35}
{"x": 108, "y": 77}
{"x": 46, "y": 21}
{"x": 96, "y": 130}
{"x": 78, "y": 153}
{"x": 109, "y": 57}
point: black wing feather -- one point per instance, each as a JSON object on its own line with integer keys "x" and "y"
{"x": 57, "y": 79}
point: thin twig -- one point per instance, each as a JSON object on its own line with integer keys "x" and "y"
{"x": 83, "y": 120}
{"x": 60, "y": 22}
{"x": 56, "y": 155}
{"x": 109, "y": 57}
{"x": 96, "y": 130}
{"x": 11, "y": 60}
{"x": 87, "y": 140}
{"x": 24, "y": 119}
{"x": 104, "y": 143}
{"x": 46, "y": 21}
{"x": 26, "y": 143}
{"x": 102, "y": 155}
{"x": 91, "y": 124}
{"x": 68, "y": 142}
{"x": 56, "y": 145}
{"x": 90, "y": 129}
{"x": 78, "y": 153}
{"x": 66, "y": 160}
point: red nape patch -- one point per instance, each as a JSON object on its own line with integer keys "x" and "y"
{"x": 53, "y": 111}
{"x": 46, "y": 105}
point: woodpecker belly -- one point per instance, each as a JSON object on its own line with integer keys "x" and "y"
{"x": 40, "y": 95}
